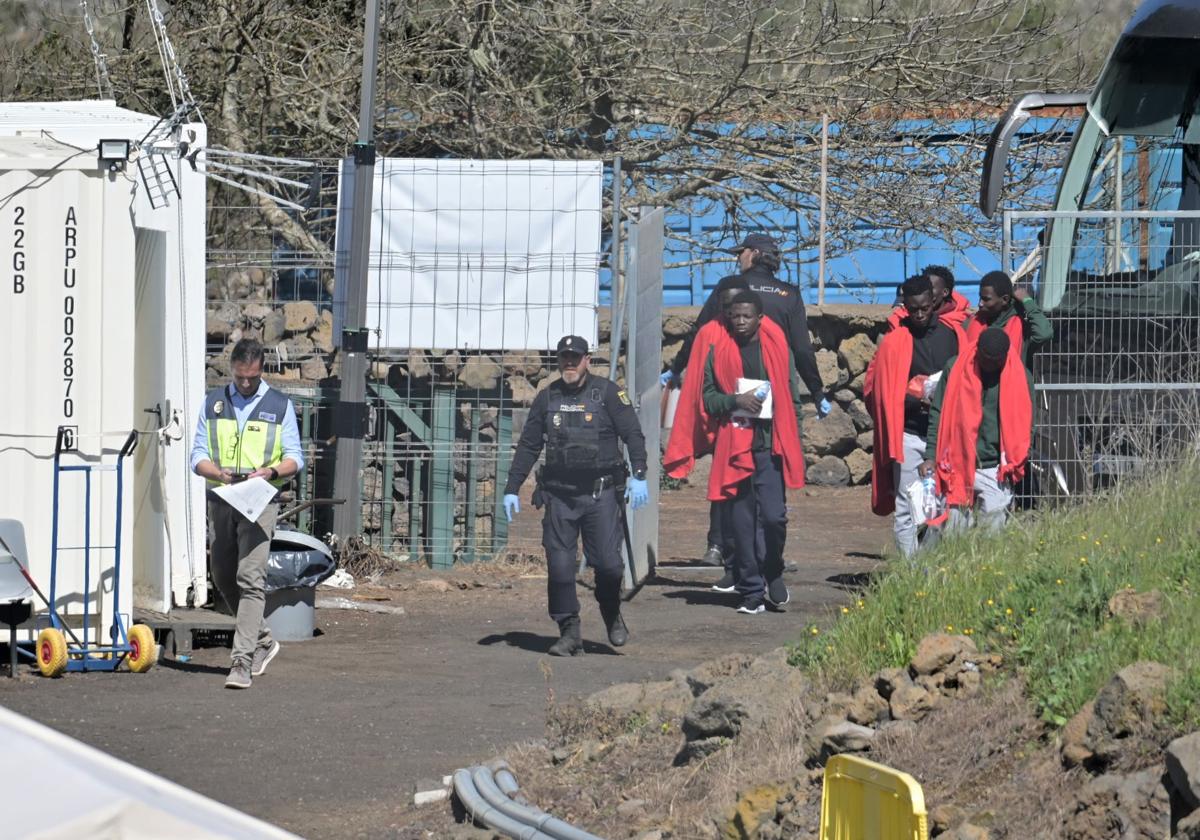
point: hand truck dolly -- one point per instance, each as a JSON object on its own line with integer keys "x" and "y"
{"x": 134, "y": 646}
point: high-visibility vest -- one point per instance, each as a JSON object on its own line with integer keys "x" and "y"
{"x": 256, "y": 445}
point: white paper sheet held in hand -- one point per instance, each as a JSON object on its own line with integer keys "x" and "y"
{"x": 749, "y": 386}
{"x": 249, "y": 498}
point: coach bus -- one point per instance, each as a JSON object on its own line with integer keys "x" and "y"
{"x": 1116, "y": 262}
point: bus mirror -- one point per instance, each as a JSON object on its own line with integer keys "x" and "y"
{"x": 995, "y": 158}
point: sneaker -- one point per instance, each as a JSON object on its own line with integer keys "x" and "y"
{"x": 239, "y": 674}
{"x": 725, "y": 584}
{"x": 777, "y": 594}
{"x": 263, "y": 654}
{"x": 713, "y": 557}
{"x": 752, "y": 606}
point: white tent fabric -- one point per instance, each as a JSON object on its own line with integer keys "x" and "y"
{"x": 53, "y": 788}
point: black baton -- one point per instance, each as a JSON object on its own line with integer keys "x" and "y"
{"x": 633, "y": 581}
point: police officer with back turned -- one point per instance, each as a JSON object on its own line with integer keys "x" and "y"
{"x": 579, "y": 419}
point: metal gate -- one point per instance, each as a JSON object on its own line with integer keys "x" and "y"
{"x": 1117, "y": 387}
{"x": 644, "y": 291}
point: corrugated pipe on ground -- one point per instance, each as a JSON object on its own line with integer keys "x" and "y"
{"x": 485, "y": 792}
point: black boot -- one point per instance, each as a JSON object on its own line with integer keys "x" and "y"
{"x": 571, "y": 642}
{"x": 618, "y": 633}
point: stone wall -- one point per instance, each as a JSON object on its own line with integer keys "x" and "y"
{"x": 299, "y": 336}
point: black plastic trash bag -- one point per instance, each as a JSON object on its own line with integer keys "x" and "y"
{"x": 296, "y": 559}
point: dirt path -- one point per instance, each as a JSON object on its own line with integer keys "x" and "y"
{"x": 330, "y": 741}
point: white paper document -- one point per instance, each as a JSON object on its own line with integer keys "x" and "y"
{"x": 249, "y": 498}
{"x": 747, "y": 386}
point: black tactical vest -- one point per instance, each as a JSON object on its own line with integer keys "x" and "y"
{"x": 581, "y": 443}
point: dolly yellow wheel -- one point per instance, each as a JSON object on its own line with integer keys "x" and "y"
{"x": 51, "y": 652}
{"x": 143, "y": 652}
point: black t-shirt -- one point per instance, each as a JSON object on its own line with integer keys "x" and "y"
{"x": 932, "y": 348}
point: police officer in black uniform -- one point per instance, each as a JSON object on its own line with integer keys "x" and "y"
{"x": 758, "y": 259}
{"x": 579, "y": 419}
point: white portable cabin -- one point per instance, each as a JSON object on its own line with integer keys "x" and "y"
{"x": 104, "y": 291}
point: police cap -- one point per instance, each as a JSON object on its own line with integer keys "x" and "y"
{"x": 756, "y": 242}
{"x": 572, "y": 344}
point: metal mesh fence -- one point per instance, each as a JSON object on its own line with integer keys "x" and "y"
{"x": 1118, "y": 387}
{"x": 452, "y": 371}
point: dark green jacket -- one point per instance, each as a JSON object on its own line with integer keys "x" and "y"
{"x": 719, "y": 403}
{"x": 987, "y": 445}
{"x": 1038, "y": 330}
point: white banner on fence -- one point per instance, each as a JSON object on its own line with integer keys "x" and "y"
{"x": 479, "y": 254}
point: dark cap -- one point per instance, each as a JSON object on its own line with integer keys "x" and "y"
{"x": 572, "y": 344}
{"x": 756, "y": 242}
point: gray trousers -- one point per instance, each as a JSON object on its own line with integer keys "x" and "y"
{"x": 903, "y": 474}
{"x": 990, "y": 511}
{"x": 239, "y": 570}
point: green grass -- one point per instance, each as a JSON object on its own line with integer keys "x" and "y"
{"x": 1038, "y": 595}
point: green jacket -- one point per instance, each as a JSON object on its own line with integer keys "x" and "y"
{"x": 1038, "y": 330}
{"x": 719, "y": 403}
{"x": 987, "y": 444}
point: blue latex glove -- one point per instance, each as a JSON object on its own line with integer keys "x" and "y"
{"x": 667, "y": 379}
{"x": 511, "y": 505}
{"x": 636, "y": 492}
{"x": 823, "y": 409}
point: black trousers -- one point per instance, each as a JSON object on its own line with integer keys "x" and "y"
{"x": 723, "y": 539}
{"x": 757, "y": 521}
{"x": 568, "y": 515}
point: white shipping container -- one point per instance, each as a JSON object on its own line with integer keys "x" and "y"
{"x": 133, "y": 359}
{"x": 69, "y": 289}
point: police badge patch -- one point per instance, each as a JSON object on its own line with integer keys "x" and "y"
{"x": 556, "y": 420}
{"x": 587, "y": 418}
{"x": 623, "y": 397}
{"x": 218, "y": 406}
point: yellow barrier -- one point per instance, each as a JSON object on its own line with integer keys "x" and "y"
{"x": 862, "y": 800}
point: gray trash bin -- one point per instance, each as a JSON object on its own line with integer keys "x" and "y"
{"x": 296, "y": 564}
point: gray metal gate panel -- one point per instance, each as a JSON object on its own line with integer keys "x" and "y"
{"x": 644, "y": 291}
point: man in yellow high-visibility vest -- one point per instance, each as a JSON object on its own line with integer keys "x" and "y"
{"x": 246, "y": 430}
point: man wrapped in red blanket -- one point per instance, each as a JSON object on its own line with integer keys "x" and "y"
{"x": 754, "y": 456}
{"x": 980, "y": 425}
{"x": 896, "y": 395}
